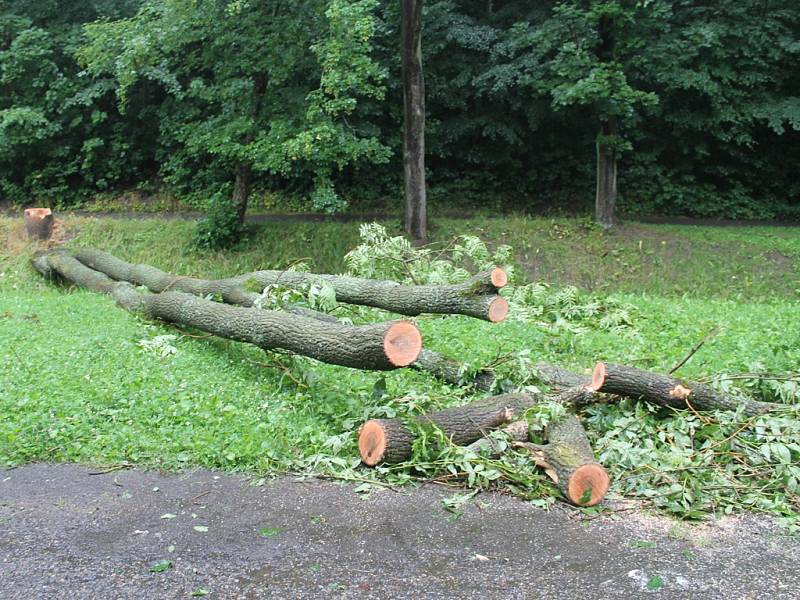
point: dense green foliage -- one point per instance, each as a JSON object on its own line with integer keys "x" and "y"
{"x": 304, "y": 97}
{"x": 82, "y": 380}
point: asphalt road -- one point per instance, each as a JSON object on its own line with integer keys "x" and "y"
{"x": 67, "y": 534}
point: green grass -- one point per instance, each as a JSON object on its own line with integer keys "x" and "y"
{"x": 76, "y": 384}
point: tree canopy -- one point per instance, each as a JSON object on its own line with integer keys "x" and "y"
{"x": 699, "y": 103}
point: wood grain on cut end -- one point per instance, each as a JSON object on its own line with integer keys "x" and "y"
{"x": 598, "y": 377}
{"x": 498, "y": 277}
{"x": 402, "y": 343}
{"x": 372, "y": 442}
{"x": 588, "y": 485}
{"x": 37, "y": 213}
{"x": 498, "y": 310}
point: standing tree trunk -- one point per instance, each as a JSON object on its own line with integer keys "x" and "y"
{"x": 241, "y": 191}
{"x": 244, "y": 174}
{"x": 413, "y": 121}
{"x": 606, "y": 197}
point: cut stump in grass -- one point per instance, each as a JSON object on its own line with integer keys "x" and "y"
{"x": 39, "y": 223}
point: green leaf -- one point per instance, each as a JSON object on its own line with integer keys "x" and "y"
{"x": 161, "y": 566}
{"x": 655, "y": 583}
{"x": 200, "y": 528}
{"x": 269, "y": 532}
{"x": 201, "y": 592}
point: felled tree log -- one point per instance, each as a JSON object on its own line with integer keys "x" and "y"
{"x": 390, "y": 441}
{"x": 381, "y": 346}
{"x": 476, "y": 298}
{"x": 450, "y": 371}
{"x": 39, "y": 223}
{"x": 517, "y": 431}
{"x": 658, "y": 389}
{"x": 569, "y": 461}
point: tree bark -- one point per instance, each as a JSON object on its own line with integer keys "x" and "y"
{"x": 663, "y": 390}
{"x": 413, "y": 120}
{"x": 569, "y": 460}
{"x": 241, "y": 191}
{"x": 476, "y": 298}
{"x": 381, "y": 346}
{"x": 451, "y": 371}
{"x": 242, "y": 183}
{"x": 390, "y": 441}
{"x": 39, "y": 223}
{"x": 606, "y": 194}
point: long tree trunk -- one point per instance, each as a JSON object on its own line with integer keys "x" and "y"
{"x": 476, "y": 298}
{"x": 382, "y": 346}
{"x": 606, "y": 195}
{"x": 413, "y": 120}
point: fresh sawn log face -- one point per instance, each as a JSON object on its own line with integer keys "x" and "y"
{"x": 381, "y": 346}
{"x": 476, "y": 298}
{"x": 390, "y": 441}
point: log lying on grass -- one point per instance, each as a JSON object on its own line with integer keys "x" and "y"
{"x": 568, "y": 459}
{"x": 390, "y": 441}
{"x": 663, "y": 390}
{"x": 476, "y": 298}
{"x": 382, "y": 346}
{"x": 451, "y": 371}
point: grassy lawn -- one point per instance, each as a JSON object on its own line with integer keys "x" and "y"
{"x": 77, "y": 384}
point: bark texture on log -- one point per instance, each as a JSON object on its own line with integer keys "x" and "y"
{"x": 388, "y": 440}
{"x": 570, "y": 461}
{"x": 517, "y": 431}
{"x": 476, "y": 298}
{"x": 39, "y": 223}
{"x": 381, "y": 346}
{"x": 450, "y": 371}
{"x": 663, "y": 390}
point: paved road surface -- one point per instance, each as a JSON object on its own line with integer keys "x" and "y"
{"x": 67, "y": 534}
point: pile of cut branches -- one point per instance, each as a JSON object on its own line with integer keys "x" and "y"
{"x": 232, "y": 308}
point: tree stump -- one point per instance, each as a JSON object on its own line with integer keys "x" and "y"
{"x": 39, "y": 223}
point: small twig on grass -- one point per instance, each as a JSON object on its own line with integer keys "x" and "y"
{"x": 200, "y": 495}
{"x": 709, "y": 336}
{"x": 281, "y": 368}
{"x": 352, "y": 479}
{"x": 112, "y": 469}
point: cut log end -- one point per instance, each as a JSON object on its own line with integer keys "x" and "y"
{"x": 498, "y": 310}
{"x": 598, "y": 377}
{"x": 372, "y": 442}
{"x": 498, "y": 277}
{"x": 402, "y": 343}
{"x": 588, "y": 485}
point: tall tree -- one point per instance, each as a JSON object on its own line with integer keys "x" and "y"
{"x": 245, "y": 95}
{"x": 413, "y": 120}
